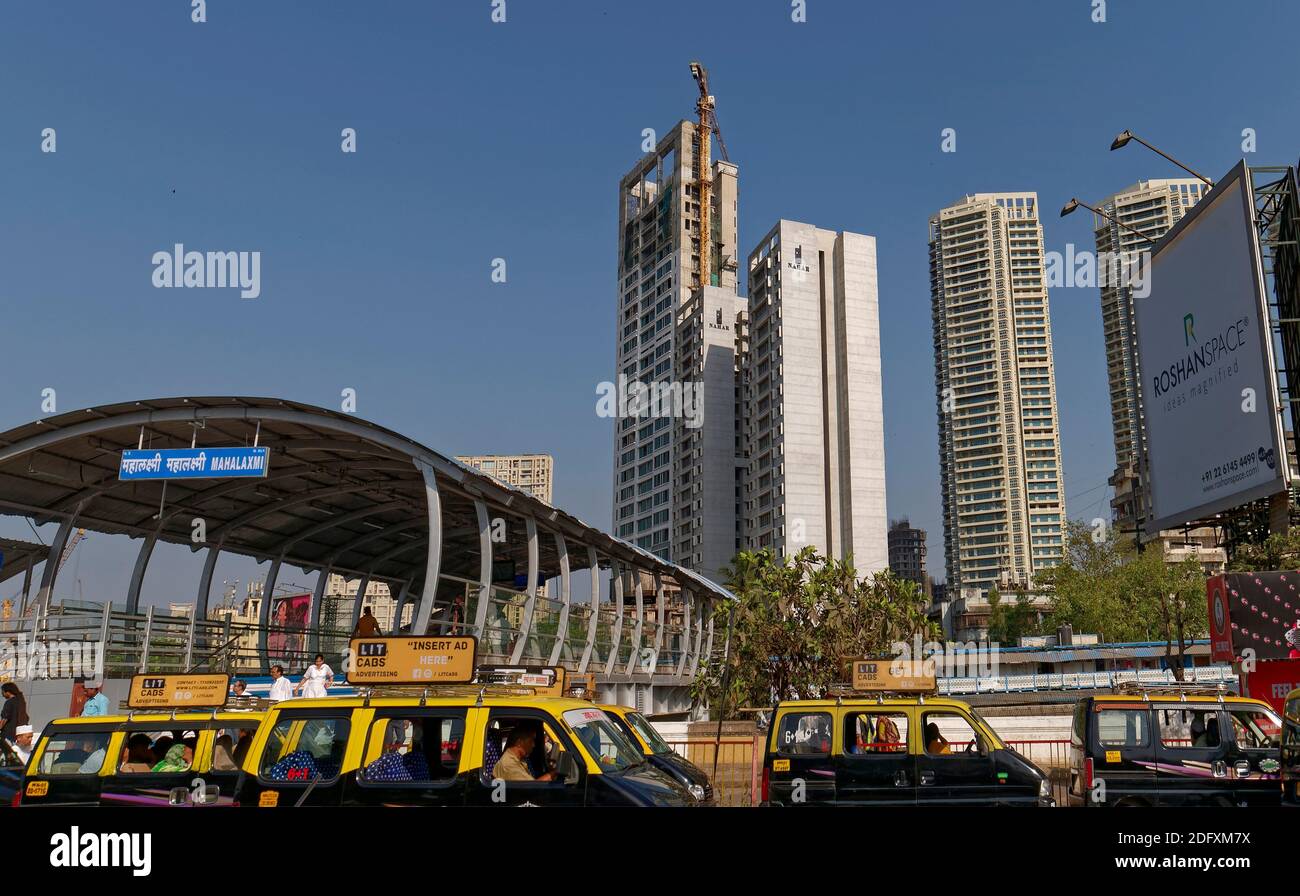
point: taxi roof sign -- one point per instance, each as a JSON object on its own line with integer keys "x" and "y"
{"x": 546, "y": 681}
{"x": 427, "y": 660}
{"x": 160, "y": 691}
{"x": 892, "y": 676}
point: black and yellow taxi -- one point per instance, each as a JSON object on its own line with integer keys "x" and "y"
{"x": 1174, "y": 746}
{"x": 423, "y": 731}
{"x": 637, "y": 728}
{"x": 1289, "y": 755}
{"x": 884, "y": 739}
{"x": 154, "y": 755}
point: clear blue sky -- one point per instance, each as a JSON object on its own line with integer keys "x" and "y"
{"x": 480, "y": 140}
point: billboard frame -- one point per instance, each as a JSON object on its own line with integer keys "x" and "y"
{"x": 1238, "y": 179}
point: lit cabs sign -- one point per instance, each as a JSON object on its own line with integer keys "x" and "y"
{"x": 892, "y": 676}
{"x": 154, "y": 691}
{"x": 546, "y": 681}
{"x": 412, "y": 660}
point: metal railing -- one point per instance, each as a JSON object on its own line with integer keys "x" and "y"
{"x": 1070, "y": 681}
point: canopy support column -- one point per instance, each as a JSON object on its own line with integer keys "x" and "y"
{"x": 530, "y": 603}
{"x": 594, "y": 563}
{"x": 484, "y": 567}
{"x": 433, "y": 562}
{"x": 562, "y": 633}
{"x": 264, "y": 612}
{"x": 137, "y": 575}
{"x": 52, "y": 562}
{"x": 314, "y": 614}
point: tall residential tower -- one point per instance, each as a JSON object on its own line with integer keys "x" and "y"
{"x": 1000, "y": 456}
{"x": 674, "y": 298}
{"x": 814, "y": 423}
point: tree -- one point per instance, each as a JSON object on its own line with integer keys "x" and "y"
{"x": 1106, "y": 587}
{"x": 795, "y": 621}
{"x": 1009, "y": 623}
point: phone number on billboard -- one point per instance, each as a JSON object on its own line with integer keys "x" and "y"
{"x": 1229, "y": 467}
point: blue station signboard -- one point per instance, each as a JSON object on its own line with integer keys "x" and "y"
{"x": 193, "y": 463}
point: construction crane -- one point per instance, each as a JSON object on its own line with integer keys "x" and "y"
{"x": 71, "y": 546}
{"x": 708, "y": 123}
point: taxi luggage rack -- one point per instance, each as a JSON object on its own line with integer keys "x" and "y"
{"x": 1182, "y": 689}
{"x": 245, "y": 703}
{"x": 841, "y": 689}
{"x": 424, "y": 692}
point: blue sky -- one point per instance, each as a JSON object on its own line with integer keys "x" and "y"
{"x": 479, "y": 140}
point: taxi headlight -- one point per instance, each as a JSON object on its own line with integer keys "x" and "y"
{"x": 697, "y": 791}
{"x": 1044, "y": 788}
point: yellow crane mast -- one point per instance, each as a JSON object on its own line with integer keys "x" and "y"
{"x": 708, "y": 123}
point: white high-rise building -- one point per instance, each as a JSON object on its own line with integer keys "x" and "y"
{"x": 814, "y": 420}
{"x": 1000, "y": 456}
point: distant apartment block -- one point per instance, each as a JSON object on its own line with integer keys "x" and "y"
{"x": 907, "y": 554}
{"x": 533, "y": 473}
{"x": 1000, "y": 456}
{"x": 814, "y": 422}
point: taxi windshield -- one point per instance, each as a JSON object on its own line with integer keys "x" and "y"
{"x": 647, "y": 732}
{"x": 607, "y": 745}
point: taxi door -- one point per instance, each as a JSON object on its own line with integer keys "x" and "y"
{"x": 956, "y": 768}
{"x": 802, "y": 757}
{"x": 491, "y": 726}
{"x": 301, "y": 757}
{"x": 877, "y": 762}
{"x": 68, "y": 766}
{"x": 1192, "y": 754}
{"x": 1121, "y": 745}
{"x": 413, "y": 757}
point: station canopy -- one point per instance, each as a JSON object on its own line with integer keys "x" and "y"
{"x": 340, "y": 493}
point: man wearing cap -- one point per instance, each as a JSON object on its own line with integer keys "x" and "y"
{"x": 97, "y": 704}
{"x": 22, "y": 742}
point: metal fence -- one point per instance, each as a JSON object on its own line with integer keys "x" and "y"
{"x": 1068, "y": 681}
{"x": 740, "y": 764}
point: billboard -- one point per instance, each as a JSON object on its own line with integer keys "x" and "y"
{"x": 1205, "y": 356}
{"x": 1259, "y": 611}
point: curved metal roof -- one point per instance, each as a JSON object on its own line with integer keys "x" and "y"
{"x": 341, "y": 492}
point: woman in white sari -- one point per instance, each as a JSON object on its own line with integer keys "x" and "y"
{"x": 316, "y": 679}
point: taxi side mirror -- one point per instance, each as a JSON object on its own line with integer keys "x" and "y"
{"x": 566, "y": 768}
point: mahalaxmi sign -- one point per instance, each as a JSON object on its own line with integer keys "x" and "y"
{"x": 193, "y": 463}
{"x": 412, "y": 660}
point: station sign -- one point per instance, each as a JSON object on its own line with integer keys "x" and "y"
{"x": 193, "y": 463}
{"x": 546, "y": 681}
{"x": 155, "y": 691}
{"x": 412, "y": 660}
{"x": 891, "y": 675}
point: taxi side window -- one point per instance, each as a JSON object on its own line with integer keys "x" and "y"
{"x": 1189, "y": 728}
{"x": 545, "y": 754}
{"x": 946, "y": 733}
{"x": 229, "y": 746}
{"x": 1123, "y": 728}
{"x": 77, "y": 753}
{"x": 415, "y": 748}
{"x": 867, "y": 733}
{"x": 316, "y": 754}
{"x": 807, "y": 733}
{"x": 1254, "y": 729}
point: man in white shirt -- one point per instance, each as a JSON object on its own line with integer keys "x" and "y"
{"x": 281, "y": 689}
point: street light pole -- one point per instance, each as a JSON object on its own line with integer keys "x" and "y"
{"x": 1075, "y": 203}
{"x": 1123, "y": 139}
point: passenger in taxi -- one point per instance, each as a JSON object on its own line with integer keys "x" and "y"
{"x": 935, "y": 743}
{"x": 513, "y": 765}
{"x": 137, "y": 756}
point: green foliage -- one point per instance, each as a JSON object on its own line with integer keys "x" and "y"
{"x": 1106, "y": 587}
{"x": 795, "y": 622}
{"x": 1008, "y": 623}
